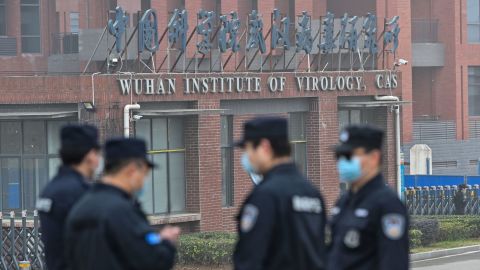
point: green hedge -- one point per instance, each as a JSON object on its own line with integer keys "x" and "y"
{"x": 428, "y": 226}
{"x": 445, "y": 228}
{"x": 415, "y": 238}
{"x": 208, "y": 248}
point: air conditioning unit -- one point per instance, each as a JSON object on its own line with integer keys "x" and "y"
{"x": 420, "y": 160}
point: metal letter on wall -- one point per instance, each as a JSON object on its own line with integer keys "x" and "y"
{"x": 177, "y": 28}
{"x": 280, "y": 35}
{"x": 370, "y": 30}
{"x": 328, "y": 43}
{"x": 391, "y": 35}
{"x": 118, "y": 27}
{"x": 348, "y": 37}
{"x": 227, "y": 37}
{"x": 255, "y": 33}
{"x": 204, "y": 28}
{"x": 148, "y": 32}
{"x": 303, "y": 37}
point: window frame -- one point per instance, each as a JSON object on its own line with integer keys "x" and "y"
{"x": 39, "y": 36}
{"x": 295, "y": 143}
{"x": 472, "y": 85}
{"x": 473, "y": 22}
{"x": 151, "y": 152}
{"x": 3, "y": 30}
{"x": 22, "y": 157}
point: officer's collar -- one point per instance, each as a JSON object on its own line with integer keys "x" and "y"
{"x": 373, "y": 184}
{"x": 117, "y": 190}
{"x": 64, "y": 169}
{"x": 280, "y": 168}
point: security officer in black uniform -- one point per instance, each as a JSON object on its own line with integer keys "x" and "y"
{"x": 80, "y": 157}
{"x": 281, "y": 223}
{"x": 107, "y": 229}
{"x": 369, "y": 224}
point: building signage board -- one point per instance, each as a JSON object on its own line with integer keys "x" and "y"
{"x": 253, "y": 84}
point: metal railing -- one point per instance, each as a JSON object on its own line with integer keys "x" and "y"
{"x": 64, "y": 43}
{"x": 443, "y": 200}
{"x": 20, "y": 244}
{"x": 424, "y": 30}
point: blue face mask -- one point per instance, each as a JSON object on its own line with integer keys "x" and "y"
{"x": 247, "y": 166}
{"x": 349, "y": 171}
{"x": 139, "y": 193}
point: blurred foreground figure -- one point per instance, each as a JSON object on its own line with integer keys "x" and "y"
{"x": 80, "y": 154}
{"x": 107, "y": 229}
{"x": 369, "y": 224}
{"x": 281, "y": 223}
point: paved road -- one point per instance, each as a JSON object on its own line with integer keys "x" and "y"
{"x": 467, "y": 261}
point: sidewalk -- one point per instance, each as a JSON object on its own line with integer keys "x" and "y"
{"x": 442, "y": 253}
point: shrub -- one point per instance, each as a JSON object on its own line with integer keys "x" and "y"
{"x": 208, "y": 248}
{"x": 459, "y": 228}
{"x": 428, "y": 227}
{"x": 415, "y": 238}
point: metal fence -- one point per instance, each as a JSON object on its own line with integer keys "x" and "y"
{"x": 443, "y": 200}
{"x": 20, "y": 244}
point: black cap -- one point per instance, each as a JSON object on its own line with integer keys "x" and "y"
{"x": 264, "y": 128}
{"x": 356, "y": 136}
{"x": 119, "y": 149}
{"x": 79, "y": 137}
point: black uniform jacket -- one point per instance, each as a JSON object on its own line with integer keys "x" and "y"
{"x": 369, "y": 230}
{"x": 281, "y": 224}
{"x": 54, "y": 204}
{"x": 108, "y": 230}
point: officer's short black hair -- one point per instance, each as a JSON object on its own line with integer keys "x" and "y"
{"x": 113, "y": 167}
{"x": 71, "y": 156}
{"x": 76, "y": 141}
{"x": 280, "y": 146}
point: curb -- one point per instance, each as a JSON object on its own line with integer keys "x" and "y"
{"x": 442, "y": 253}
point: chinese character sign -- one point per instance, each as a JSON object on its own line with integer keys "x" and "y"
{"x": 118, "y": 27}
{"x": 370, "y": 30}
{"x": 280, "y": 34}
{"x": 303, "y": 37}
{"x": 204, "y": 28}
{"x": 328, "y": 43}
{"x": 177, "y": 28}
{"x": 391, "y": 34}
{"x": 227, "y": 37}
{"x": 148, "y": 32}
{"x": 255, "y": 33}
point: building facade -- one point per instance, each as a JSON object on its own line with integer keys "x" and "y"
{"x": 64, "y": 67}
{"x": 445, "y": 68}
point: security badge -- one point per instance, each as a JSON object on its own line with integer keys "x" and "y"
{"x": 393, "y": 226}
{"x": 44, "y": 205}
{"x": 352, "y": 238}
{"x": 249, "y": 217}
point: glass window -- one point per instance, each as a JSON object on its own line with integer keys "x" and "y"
{"x": 3, "y": 19}
{"x": 165, "y": 189}
{"x": 74, "y": 22}
{"x": 474, "y": 91}
{"x": 227, "y": 160}
{"x": 473, "y": 21}
{"x": 11, "y": 185}
{"x": 30, "y": 26}
{"x": 176, "y": 166}
{"x": 10, "y": 137}
{"x": 54, "y": 128}
{"x": 160, "y": 183}
{"x": 28, "y": 159}
{"x": 34, "y": 141}
{"x": 53, "y": 165}
{"x": 34, "y": 180}
{"x": 298, "y": 140}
